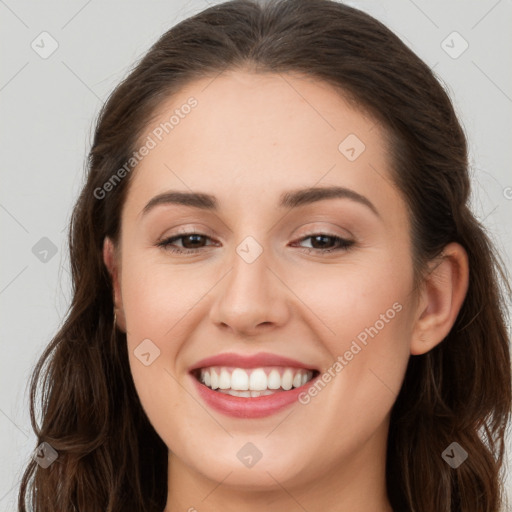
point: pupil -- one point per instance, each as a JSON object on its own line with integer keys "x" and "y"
{"x": 194, "y": 238}
{"x": 321, "y": 237}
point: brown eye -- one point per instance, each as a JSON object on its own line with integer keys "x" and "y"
{"x": 323, "y": 242}
{"x": 190, "y": 243}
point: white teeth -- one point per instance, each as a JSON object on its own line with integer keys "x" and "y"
{"x": 214, "y": 378}
{"x": 258, "y": 380}
{"x": 239, "y": 380}
{"x": 287, "y": 379}
{"x": 254, "y": 382}
{"x": 247, "y": 394}
{"x": 265, "y": 392}
{"x": 224, "y": 379}
{"x": 274, "y": 380}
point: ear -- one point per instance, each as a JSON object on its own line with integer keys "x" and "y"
{"x": 111, "y": 260}
{"x": 441, "y": 298}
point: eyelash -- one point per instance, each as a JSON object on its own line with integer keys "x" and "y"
{"x": 343, "y": 244}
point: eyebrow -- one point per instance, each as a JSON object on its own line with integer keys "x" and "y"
{"x": 289, "y": 199}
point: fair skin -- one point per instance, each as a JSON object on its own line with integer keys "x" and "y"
{"x": 251, "y": 138}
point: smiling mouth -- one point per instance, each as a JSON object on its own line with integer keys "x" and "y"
{"x": 253, "y": 382}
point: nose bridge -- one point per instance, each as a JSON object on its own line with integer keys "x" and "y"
{"x": 250, "y": 294}
{"x": 250, "y": 267}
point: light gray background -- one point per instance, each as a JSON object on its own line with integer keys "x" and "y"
{"x": 47, "y": 109}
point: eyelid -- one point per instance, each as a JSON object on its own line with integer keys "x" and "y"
{"x": 203, "y": 230}
{"x": 187, "y": 230}
{"x": 319, "y": 227}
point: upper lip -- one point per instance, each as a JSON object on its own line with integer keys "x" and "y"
{"x": 249, "y": 361}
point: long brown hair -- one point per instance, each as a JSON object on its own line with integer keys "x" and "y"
{"x": 109, "y": 456}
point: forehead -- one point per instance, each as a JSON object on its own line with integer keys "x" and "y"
{"x": 251, "y": 135}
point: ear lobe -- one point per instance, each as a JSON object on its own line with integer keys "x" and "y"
{"x": 442, "y": 296}
{"x": 111, "y": 260}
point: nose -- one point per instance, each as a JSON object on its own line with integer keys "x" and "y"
{"x": 251, "y": 299}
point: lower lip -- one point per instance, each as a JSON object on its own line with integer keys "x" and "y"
{"x": 242, "y": 407}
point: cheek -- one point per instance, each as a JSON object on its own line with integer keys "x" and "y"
{"x": 358, "y": 300}
{"x": 163, "y": 306}
{"x": 152, "y": 305}
{"x": 157, "y": 296}
{"x": 365, "y": 326}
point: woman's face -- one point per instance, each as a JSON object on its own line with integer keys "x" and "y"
{"x": 266, "y": 276}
